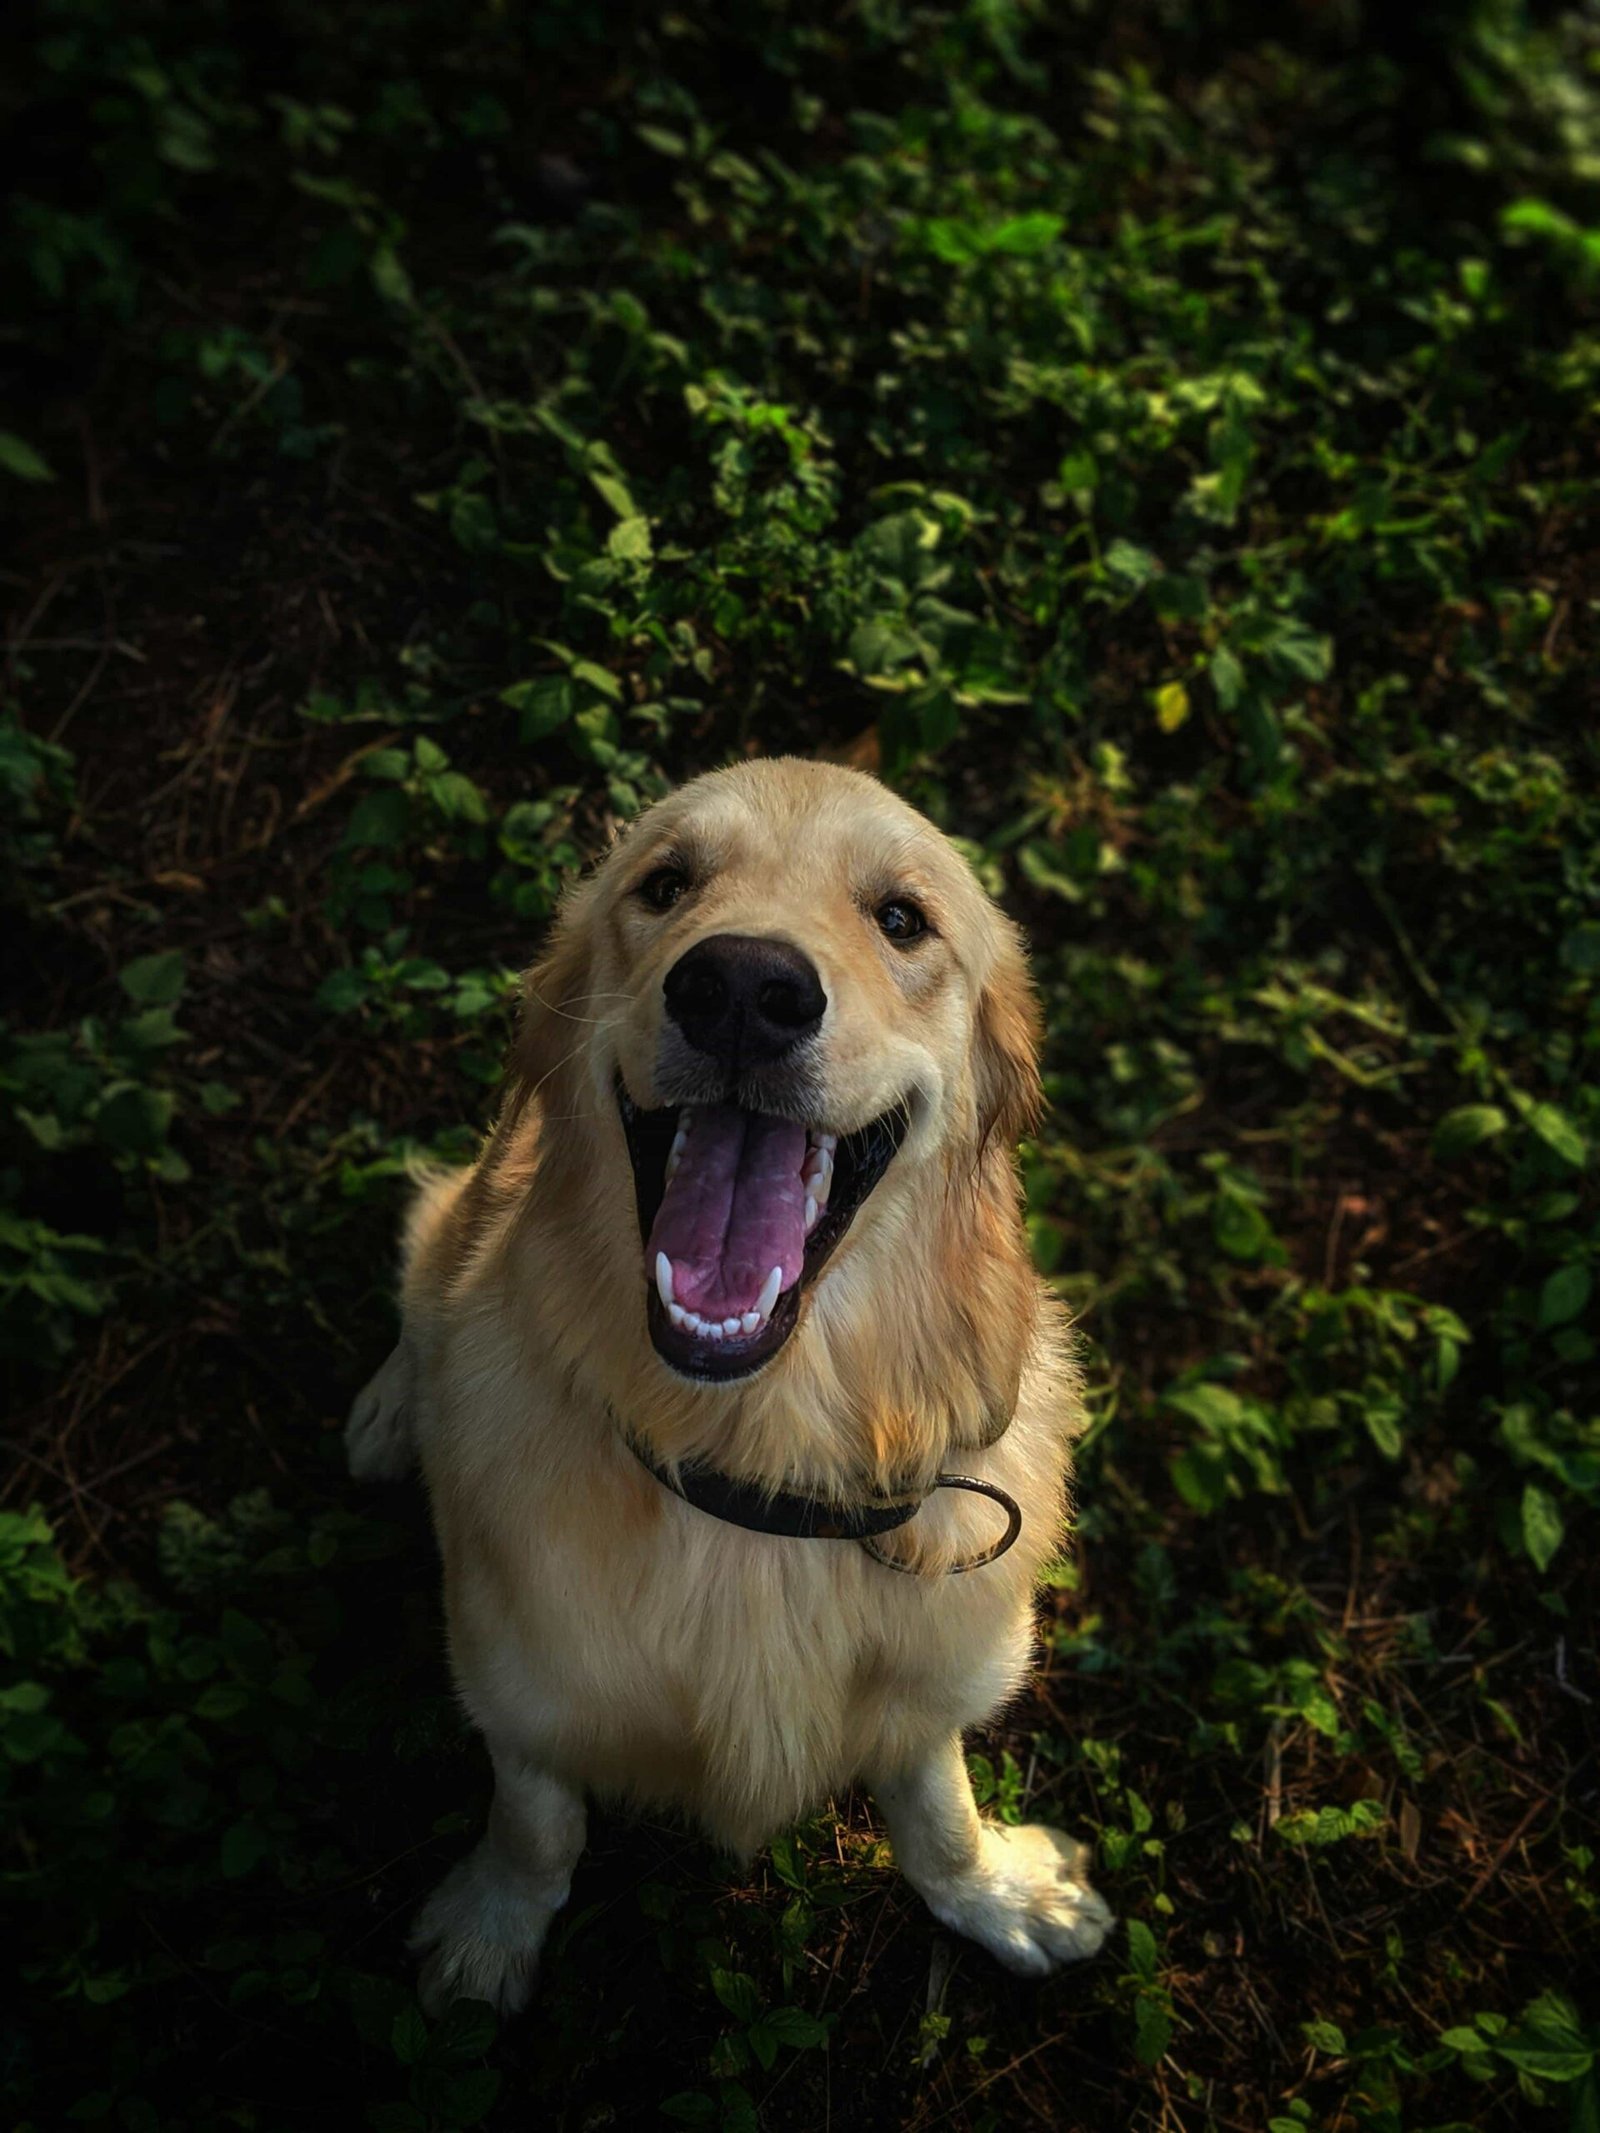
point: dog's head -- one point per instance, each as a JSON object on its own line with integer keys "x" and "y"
{"x": 791, "y": 992}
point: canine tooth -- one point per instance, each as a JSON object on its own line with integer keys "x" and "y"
{"x": 731, "y": 1325}
{"x": 769, "y": 1292}
{"x": 750, "y": 1321}
{"x": 664, "y": 1279}
{"x": 811, "y": 1214}
{"x": 675, "y": 1152}
{"x": 817, "y": 1176}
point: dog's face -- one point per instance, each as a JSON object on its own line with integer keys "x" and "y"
{"x": 794, "y": 990}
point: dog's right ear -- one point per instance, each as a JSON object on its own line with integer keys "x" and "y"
{"x": 1009, "y": 1094}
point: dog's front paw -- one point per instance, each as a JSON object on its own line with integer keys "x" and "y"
{"x": 1026, "y": 1900}
{"x": 479, "y": 1936}
{"x": 377, "y": 1437}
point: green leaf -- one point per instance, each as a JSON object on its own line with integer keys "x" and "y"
{"x": 1564, "y": 1296}
{"x": 1227, "y": 678}
{"x": 1321, "y": 1826}
{"x": 690, "y": 2107}
{"x": 342, "y": 990}
{"x": 408, "y": 2039}
{"x": 1382, "y": 1414}
{"x": 737, "y": 1993}
{"x": 1038, "y": 864}
{"x": 1024, "y": 236}
{"x": 1171, "y": 701}
{"x": 134, "y": 1119}
{"x": 466, "y": 2029}
{"x": 154, "y": 980}
{"x": 396, "y": 2118}
{"x": 1467, "y": 1127}
{"x": 543, "y": 706}
{"x": 630, "y": 541}
{"x": 1551, "y": 1125}
{"x": 20, "y": 458}
{"x": 1142, "y": 1951}
{"x": 598, "y": 678}
{"x": 390, "y": 278}
{"x": 244, "y": 1846}
{"x": 380, "y": 819}
{"x": 1152, "y": 2029}
{"x": 464, "y": 2099}
{"x": 1134, "y": 567}
{"x": 1543, "y": 1528}
{"x": 1545, "y": 2062}
{"x": 793, "y": 2026}
{"x": 1324, "y": 2037}
{"x": 457, "y": 798}
{"x": 616, "y": 494}
{"x": 786, "y": 1862}
{"x": 1214, "y": 1407}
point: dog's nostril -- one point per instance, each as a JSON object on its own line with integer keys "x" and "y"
{"x": 699, "y": 987}
{"x": 791, "y": 1003}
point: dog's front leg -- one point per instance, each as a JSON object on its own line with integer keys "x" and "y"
{"x": 482, "y": 1928}
{"x": 1019, "y": 1892}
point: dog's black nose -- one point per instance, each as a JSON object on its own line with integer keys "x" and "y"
{"x": 744, "y": 1001}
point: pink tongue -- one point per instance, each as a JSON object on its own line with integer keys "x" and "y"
{"x": 734, "y": 1210}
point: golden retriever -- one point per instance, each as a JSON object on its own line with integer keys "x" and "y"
{"x": 748, "y": 1221}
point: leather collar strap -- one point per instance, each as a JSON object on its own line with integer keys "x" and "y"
{"x": 784, "y": 1514}
{"x": 791, "y": 1517}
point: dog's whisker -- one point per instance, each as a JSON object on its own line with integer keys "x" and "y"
{"x": 564, "y": 1010}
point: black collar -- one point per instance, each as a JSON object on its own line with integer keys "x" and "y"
{"x": 780, "y": 1512}
{"x": 788, "y": 1516}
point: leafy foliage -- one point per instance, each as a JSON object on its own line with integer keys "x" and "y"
{"x": 1158, "y": 439}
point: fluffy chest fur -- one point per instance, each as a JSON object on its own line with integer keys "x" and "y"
{"x": 646, "y": 1650}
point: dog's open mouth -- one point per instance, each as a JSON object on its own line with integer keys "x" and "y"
{"x": 738, "y": 1211}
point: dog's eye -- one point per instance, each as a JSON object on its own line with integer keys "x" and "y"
{"x": 662, "y": 889}
{"x": 901, "y": 920}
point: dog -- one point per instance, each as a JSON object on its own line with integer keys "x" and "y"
{"x": 741, "y": 1265}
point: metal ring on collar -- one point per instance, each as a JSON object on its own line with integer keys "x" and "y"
{"x": 973, "y": 1562}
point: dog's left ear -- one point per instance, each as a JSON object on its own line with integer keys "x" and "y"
{"x": 1010, "y": 1027}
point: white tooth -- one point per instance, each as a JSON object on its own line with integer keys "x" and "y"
{"x": 769, "y": 1292}
{"x": 811, "y": 1214}
{"x": 678, "y": 1315}
{"x": 750, "y": 1321}
{"x": 731, "y": 1325}
{"x": 664, "y": 1278}
{"x": 710, "y": 1329}
{"x": 827, "y": 1142}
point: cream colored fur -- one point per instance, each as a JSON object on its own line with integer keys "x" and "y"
{"x": 606, "y": 1637}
